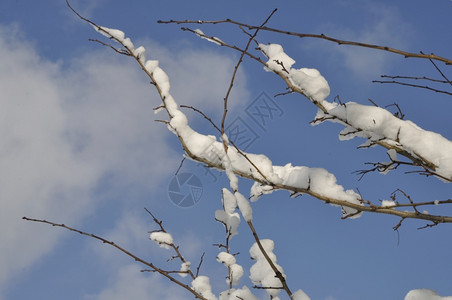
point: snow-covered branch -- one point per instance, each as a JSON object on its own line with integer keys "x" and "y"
{"x": 375, "y": 124}
{"x": 370, "y": 122}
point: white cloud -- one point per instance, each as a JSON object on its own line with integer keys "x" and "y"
{"x": 62, "y": 129}
{"x": 39, "y": 173}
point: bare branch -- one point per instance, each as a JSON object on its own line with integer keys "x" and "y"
{"x": 318, "y": 36}
{"x": 202, "y": 114}
{"x": 200, "y": 263}
{"x": 439, "y": 71}
{"x": 128, "y": 253}
{"x": 413, "y": 78}
{"x": 413, "y": 85}
{"x": 120, "y": 51}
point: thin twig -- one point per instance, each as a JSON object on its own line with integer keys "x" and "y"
{"x": 202, "y": 114}
{"x": 120, "y": 51}
{"x": 225, "y": 109}
{"x": 180, "y": 166}
{"x": 414, "y": 78}
{"x": 413, "y": 85}
{"x": 200, "y": 263}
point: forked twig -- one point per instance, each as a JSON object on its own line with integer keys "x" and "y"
{"x": 172, "y": 245}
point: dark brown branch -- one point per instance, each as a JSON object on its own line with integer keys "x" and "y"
{"x": 439, "y": 70}
{"x": 180, "y": 166}
{"x": 320, "y": 36}
{"x": 413, "y": 78}
{"x": 202, "y": 114}
{"x": 120, "y": 51}
{"x": 413, "y": 85}
{"x": 128, "y": 253}
{"x": 200, "y": 263}
{"x": 267, "y": 287}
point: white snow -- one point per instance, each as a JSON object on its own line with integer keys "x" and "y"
{"x": 226, "y": 258}
{"x": 128, "y": 44}
{"x": 201, "y": 284}
{"x": 257, "y": 190}
{"x": 229, "y": 170}
{"x": 214, "y": 39}
{"x": 161, "y": 79}
{"x": 110, "y": 33}
{"x": 235, "y": 294}
{"x": 163, "y": 239}
{"x": 228, "y": 216}
{"x": 229, "y": 201}
{"x": 231, "y": 221}
{"x": 140, "y": 53}
{"x": 261, "y": 272}
{"x": 317, "y": 180}
{"x": 387, "y": 203}
{"x": 244, "y": 207}
{"x": 375, "y": 123}
{"x": 229, "y": 261}
{"x": 236, "y": 274}
{"x": 151, "y": 65}
{"x": 185, "y": 266}
{"x": 277, "y": 59}
{"x": 425, "y": 294}
{"x": 310, "y": 81}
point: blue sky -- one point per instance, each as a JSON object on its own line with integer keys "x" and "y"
{"x": 80, "y": 147}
